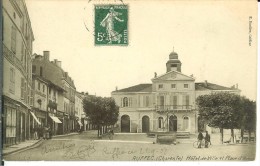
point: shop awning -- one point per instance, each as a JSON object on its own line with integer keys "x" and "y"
{"x": 80, "y": 123}
{"x": 35, "y": 118}
{"x": 55, "y": 119}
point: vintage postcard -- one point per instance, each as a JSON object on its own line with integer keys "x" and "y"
{"x": 126, "y": 80}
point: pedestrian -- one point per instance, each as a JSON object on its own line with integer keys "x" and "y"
{"x": 50, "y": 133}
{"x": 44, "y": 132}
{"x": 111, "y": 134}
{"x": 207, "y": 140}
{"x": 35, "y": 133}
{"x": 200, "y": 138}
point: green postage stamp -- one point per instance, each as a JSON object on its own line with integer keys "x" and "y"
{"x": 111, "y": 25}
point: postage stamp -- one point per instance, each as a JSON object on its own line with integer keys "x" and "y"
{"x": 111, "y": 24}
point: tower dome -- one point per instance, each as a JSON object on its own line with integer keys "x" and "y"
{"x": 173, "y": 63}
{"x": 173, "y": 55}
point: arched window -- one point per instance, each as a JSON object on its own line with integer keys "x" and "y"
{"x": 185, "y": 123}
{"x": 125, "y": 102}
{"x": 160, "y": 122}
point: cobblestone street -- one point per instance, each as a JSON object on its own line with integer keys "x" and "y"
{"x": 86, "y": 147}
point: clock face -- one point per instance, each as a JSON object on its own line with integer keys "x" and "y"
{"x": 173, "y": 75}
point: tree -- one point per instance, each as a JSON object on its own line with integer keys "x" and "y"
{"x": 101, "y": 111}
{"x": 220, "y": 110}
{"x": 248, "y": 118}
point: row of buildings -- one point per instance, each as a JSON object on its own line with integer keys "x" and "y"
{"x": 36, "y": 92}
{"x": 165, "y": 105}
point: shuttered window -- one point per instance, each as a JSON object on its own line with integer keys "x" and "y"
{"x": 12, "y": 81}
{"x": 186, "y": 101}
{"x": 13, "y": 40}
{"x": 160, "y": 122}
{"x": 146, "y": 101}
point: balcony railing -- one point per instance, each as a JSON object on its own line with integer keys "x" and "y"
{"x": 172, "y": 107}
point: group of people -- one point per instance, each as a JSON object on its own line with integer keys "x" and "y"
{"x": 44, "y": 132}
{"x": 206, "y": 138}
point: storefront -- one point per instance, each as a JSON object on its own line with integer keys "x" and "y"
{"x": 53, "y": 123}
{"x": 60, "y": 126}
{"x": 15, "y": 119}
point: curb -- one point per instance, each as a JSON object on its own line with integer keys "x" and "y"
{"x": 122, "y": 141}
{"x": 36, "y": 144}
{"x": 56, "y": 136}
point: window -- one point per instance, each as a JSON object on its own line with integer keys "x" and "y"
{"x": 186, "y": 86}
{"x": 41, "y": 71}
{"x": 22, "y": 51}
{"x": 34, "y": 69}
{"x": 160, "y": 86}
{"x": 160, "y": 101}
{"x": 174, "y": 101}
{"x": 54, "y": 95}
{"x": 39, "y": 86}
{"x": 12, "y": 81}
{"x": 147, "y": 101}
{"x": 185, "y": 123}
{"x": 125, "y": 102}
{"x": 10, "y": 122}
{"x": 174, "y": 67}
{"x": 173, "y": 86}
{"x": 186, "y": 101}
{"x": 13, "y": 40}
{"x": 160, "y": 122}
{"x": 129, "y": 101}
{"x": 31, "y": 98}
{"x": 22, "y": 88}
{"x": 43, "y": 88}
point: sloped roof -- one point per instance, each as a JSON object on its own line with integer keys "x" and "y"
{"x": 137, "y": 88}
{"x": 52, "y": 72}
{"x": 211, "y": 86}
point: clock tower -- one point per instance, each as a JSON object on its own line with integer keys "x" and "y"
{"x": 173, "y": 63}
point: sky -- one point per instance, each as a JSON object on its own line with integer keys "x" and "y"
{"x": 210, "y": 37}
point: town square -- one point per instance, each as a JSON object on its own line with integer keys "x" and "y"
{"x": 129, "y": 81}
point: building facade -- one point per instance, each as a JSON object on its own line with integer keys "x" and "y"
{"x": 40, "y": 101}
{"x": 165, "y": 105}
{"x": 61, "y": 93}
{"x": 79, "y": 113}
{"x": 17, "y": 77}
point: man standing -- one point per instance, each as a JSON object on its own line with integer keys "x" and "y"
{"x": 200, "y": 138}
{"x": 207, "y": 140}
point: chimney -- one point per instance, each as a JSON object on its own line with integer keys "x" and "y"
{"x": 116, "y": 88}
{"x": 46, "y": 55}
{"x": 59, "y": 63}
{"x": 55, "y": 61}
{"x": 206, "y": 83}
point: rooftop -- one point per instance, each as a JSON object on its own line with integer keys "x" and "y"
{"x": 137, "y": 88}
{"x": 210, "y": 86}
{"x": 198, "y": 87}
